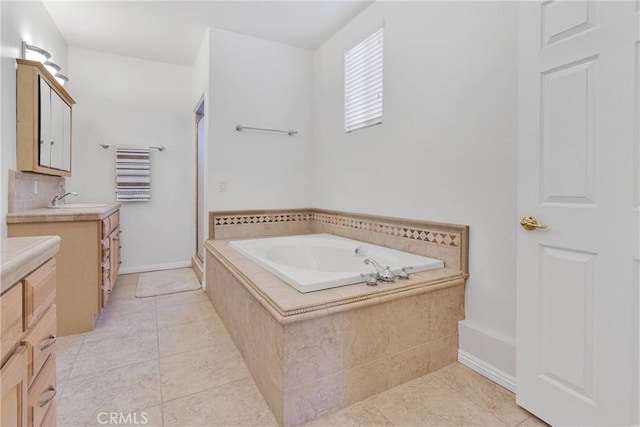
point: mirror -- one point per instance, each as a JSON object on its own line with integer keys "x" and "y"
{"x": 54, "y": 129}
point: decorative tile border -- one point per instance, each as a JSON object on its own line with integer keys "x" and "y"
{"x": 437, "y": 234}
{"x": 424, "y": 234}
{"x": 260, "y": 218}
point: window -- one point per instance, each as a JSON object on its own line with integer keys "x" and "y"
{"x": 363, "y": 83}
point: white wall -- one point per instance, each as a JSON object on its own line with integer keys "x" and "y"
{"x": 28, "y": 21}
{"x": 446, "y": 150}
{"x": 123, "y": 100}
{"x": 258, "y": 83}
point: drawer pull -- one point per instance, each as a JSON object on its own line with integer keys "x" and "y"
{"x": 53, "y": 392}
{"x": 52, "y": 340}
{"x": 108, "y": 291}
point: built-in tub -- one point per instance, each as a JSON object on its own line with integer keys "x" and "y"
{"x": 321, "y": 261}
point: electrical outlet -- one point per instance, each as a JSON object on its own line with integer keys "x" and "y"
{"x": 222, "y": 186}
{"x": 35, "y": 187}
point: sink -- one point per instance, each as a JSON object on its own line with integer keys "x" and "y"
{"x": 78, "y": 206}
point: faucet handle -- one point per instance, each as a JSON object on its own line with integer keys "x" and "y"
{"x": 404, "y": 274}
{"x": 372, "y": 278}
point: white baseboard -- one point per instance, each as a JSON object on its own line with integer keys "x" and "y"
{"x": 155, "y": 267}
{"x": 489, "y": 371}
{"x": 488, "y": 353}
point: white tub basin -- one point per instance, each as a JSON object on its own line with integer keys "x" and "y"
{"x": 322, "y": 261}
{"x": 78, "y": 206}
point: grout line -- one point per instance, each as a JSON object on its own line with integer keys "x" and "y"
{"x": 155, "y": 308}
{"x": 214, "y": 387}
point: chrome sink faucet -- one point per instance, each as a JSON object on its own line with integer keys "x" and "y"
{"x": 60, "y": 197}
{"x": 384, "y": 274}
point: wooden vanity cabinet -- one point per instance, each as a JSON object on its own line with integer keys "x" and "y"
{"x": 28, "y": 375}
{"x": 87, "y": 267}
{"x": 110, "y": 255}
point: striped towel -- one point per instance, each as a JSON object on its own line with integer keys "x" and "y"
{"x": 133, "y": 179}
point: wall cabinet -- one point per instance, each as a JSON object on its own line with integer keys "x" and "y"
{"x": 28, "y": 369}
{"x": 44, "y": 121}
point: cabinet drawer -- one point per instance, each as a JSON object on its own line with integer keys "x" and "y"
{"x": 114, "y": 220}
{"x": 40, "y": 291}
{"x": 106, "y": 248}
{"x": 42, "y": 393}
{"x": 106, "y": 227}
{"x": 11, "y": 327}
{"x": 13, "y": 387}
{"x": 39, "y": 342}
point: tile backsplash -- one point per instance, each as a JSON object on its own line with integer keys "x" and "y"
{"x": 22, "y": 196}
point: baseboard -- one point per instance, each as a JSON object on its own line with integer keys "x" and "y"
{"x": 488, "y": 353}
{"x": 155, "y": 267}
{"x": 489, "y": 371}
{"x": 198, "y": 268}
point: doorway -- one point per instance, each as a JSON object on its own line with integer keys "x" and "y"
{"x": 200, "y": 216}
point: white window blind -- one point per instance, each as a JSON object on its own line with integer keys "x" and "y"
{"x": 363, "y": 83}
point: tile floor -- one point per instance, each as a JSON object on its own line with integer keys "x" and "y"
{"x": 168, "y": 361}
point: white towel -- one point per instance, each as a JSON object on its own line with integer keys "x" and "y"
{"x": 133, "y": 178}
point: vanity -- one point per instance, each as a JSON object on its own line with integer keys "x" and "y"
{"x": 88, "y": 261}
{"x": 89, "y": 257}
{"x": 28, "y": 331}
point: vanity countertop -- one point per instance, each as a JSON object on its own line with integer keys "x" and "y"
{"x": 22, "y": 255}
{"x": 63, "y": 214}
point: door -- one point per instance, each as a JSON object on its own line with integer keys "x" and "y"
{"x": 44, "y": 127}
{"x": 577, "y": 304}
{"x": 200, "y": 217}
{"x": 57, "y": 131}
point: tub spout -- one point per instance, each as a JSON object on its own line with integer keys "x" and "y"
{"x": 385, "y": 274}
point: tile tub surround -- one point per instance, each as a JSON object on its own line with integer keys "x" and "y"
{"x": 21, "y": 196}
{"x": 448, "y": 242}
{"x": 312, "y": 354}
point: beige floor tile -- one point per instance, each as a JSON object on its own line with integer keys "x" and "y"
{"x": 357, "y": 415}
{"x": 70, "y": 340}
{"x": 533, "y": 421}
{"x": 188, "y": 373}
{"x": 125, "y": 287}
{"x": 115, "y": 351}
{"x": 483, "y": 392}
{"x": 112, "y": 324}
{"x": 171, "y": 300}
{"x": 180, "y": 314}
{"x": 192, "y": 336}
{"x": 427, "y": 401}
{"x": 234, "y": 404}
{"x": 127, "y": 389}
{"x": 65, "y": 358}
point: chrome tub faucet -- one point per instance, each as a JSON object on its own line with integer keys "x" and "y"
{"x": 384, "y": 274}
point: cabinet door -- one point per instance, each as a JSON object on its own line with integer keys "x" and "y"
{"x": 66, "y": 137}
{"x": 44, "y": 125}
{"x": 57, "y": 131}
{"x": 13, "y": 387}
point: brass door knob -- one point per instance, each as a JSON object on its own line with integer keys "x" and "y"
{"x": 530, "y": 223}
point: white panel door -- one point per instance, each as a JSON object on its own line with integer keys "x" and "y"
{"x": 577, "y": 304}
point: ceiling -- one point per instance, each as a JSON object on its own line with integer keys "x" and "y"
{"x": 172, "y": 31}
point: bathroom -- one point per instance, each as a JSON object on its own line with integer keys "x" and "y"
{"x": 454, "y": 146}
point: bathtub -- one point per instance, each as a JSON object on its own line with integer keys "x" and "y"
{"x": 321, "y": 261}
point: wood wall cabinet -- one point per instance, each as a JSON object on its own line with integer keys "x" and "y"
{"x": 28, "y": 369}
{"x": 44, "y": 115}
{"x": 88, "y": 264}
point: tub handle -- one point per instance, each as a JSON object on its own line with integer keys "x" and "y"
{"x": 404, "y": 274}
{"x": 372, "y": 278}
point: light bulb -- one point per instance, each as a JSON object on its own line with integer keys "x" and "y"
{"x": 51, "y": 67}
{"x": 61, "y": 78}
{"x": 34, "y": 53}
